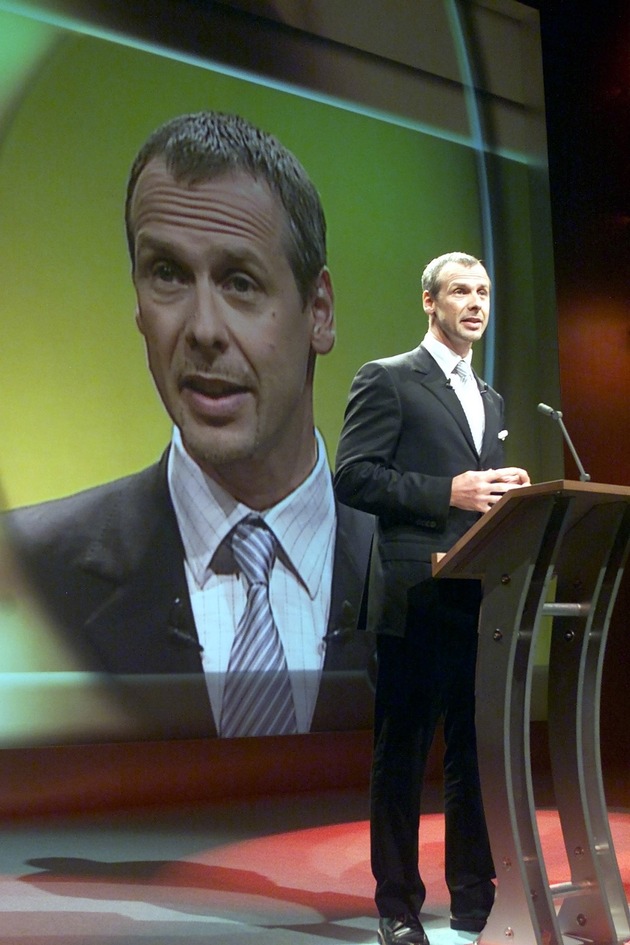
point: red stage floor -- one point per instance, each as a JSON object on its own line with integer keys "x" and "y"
{"x": 277, "y": 871}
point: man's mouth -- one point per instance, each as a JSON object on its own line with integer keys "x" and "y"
{"x": 213, "y": 387}
{"x": 215, "y": 398}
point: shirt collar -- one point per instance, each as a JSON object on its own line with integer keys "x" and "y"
{"x": 303, "y": 522}
{"x": 445, "y": 357}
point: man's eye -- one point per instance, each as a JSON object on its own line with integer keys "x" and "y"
{"x": 239, "y": 283}
{"x": 166, "y": 271}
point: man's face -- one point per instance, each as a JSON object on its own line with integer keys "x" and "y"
{"x": 459, "y": 313}
{"x": 229, "y": 341}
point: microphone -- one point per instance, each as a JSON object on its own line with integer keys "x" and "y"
{"x": 179, "y": 631}
{"x": 347, "y": 623}
{"x": 557, "y": 416}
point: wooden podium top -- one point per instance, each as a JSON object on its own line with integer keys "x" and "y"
{"x": 470, "y": 546}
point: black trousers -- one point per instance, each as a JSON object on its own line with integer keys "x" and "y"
{"x": 426, "y": 675}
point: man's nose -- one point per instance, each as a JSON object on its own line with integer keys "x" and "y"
{"x": 207, "y": 324}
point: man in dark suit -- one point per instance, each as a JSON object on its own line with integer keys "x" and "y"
{"x": 227, "y": 566}
{"x": 422, "y": 449}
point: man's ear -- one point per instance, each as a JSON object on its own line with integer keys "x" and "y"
{"x": 322, "y": 314}
{"x": 139, "y": 322}
{"x": 428, "y": 304}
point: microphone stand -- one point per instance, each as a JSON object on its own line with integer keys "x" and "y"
{"x": 557, "y": 416}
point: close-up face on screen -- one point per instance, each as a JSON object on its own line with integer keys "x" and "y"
{"x": 176, "y": 362}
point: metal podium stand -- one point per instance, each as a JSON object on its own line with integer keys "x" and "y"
{"x": 579, "y": 534}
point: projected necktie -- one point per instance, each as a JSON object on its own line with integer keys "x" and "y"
{"x": 470, "y": 399}
{"x": 257, "y": 698}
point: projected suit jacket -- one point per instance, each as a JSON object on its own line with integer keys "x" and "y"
{"x": 108, "y": 566}
{"x": 404, "y": 438}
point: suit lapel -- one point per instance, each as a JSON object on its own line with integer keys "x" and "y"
{"x": 142, "y": 620}
{"x": 352, "y": 552}
{"x": 494, "y": 418}
{"x": 142, "y": 627}
{"x": 433, "y": 379}
{"x": 345, "y": 697}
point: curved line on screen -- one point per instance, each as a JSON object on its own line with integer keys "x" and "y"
{"x": 479, "y": 143}
{"x": 82, "y": 25}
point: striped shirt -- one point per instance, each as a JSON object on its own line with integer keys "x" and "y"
{"x": 300, "y": 587}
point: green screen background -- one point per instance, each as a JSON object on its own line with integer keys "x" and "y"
{"x": 78, "y": 405}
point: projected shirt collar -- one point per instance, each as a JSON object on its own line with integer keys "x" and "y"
{"x": 303, "y": 522}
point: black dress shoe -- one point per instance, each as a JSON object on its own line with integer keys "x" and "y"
{"x": 401, "y": 930}
{"x": 468, "y": 923}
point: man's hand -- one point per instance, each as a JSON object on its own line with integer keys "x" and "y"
{"x": 478, "y": 491}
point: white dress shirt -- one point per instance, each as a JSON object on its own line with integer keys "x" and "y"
{"x": 468, "y": 394}
{"x": 300, "y": 586}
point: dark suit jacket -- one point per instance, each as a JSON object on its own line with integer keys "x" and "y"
{"x": 405, "y": 437}
{"x": 107, "y": 564}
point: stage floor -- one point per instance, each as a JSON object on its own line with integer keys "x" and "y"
{"x": 285, "y": 870}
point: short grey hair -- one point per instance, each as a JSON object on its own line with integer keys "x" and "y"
{"x": 431, "y": 275}
{"x": 203, "y": 145}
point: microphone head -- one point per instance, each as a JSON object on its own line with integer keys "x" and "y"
{"x": 549, "y": 411}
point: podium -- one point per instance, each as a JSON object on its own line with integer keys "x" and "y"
{"x": 575, "y": 534}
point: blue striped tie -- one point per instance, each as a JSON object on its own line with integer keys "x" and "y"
{"x": 257, "y": 698}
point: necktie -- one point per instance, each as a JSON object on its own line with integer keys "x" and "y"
{"x": 470, "y": 399}
{"x": 257, "y": 698}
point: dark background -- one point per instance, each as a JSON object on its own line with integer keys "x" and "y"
{"x": 586, "y": 61}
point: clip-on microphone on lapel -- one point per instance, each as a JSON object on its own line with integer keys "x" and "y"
{"x": 179, "y": 632}
{"x": 344, "y": 632}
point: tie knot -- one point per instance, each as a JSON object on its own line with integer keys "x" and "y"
{"x": 254, "y": 547}
{"x": 463, "y": 370}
